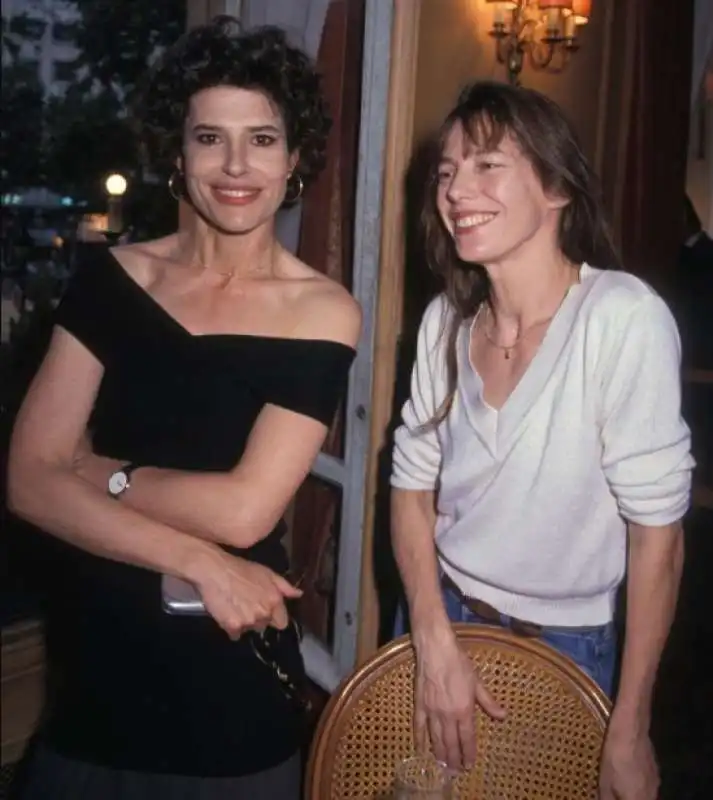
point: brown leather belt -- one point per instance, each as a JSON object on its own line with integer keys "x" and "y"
{"x": 486, "y": 612}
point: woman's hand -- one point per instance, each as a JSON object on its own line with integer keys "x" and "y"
{"x": 241, "y": 595}
{"x": 628, "y": 766}
{"x": 447, "y": 692}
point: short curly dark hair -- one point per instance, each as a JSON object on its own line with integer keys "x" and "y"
{"x": 222, "y": 53}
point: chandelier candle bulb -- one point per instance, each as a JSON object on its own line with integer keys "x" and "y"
{"x": 581, "y": 11}
{"x": 499, "y": 11}
{"x": 570, "y": 26}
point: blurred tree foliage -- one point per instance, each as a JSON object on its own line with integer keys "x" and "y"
{"x": 22, "y": 160}
{"x": 119, "y": 40}
{"x": 10, "y": 44}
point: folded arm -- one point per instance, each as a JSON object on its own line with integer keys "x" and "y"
{"x": 44, "y": 488}
{"x": 239, "y": 507}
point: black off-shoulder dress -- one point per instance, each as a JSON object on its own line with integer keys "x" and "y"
{"x": 139, "y": 691}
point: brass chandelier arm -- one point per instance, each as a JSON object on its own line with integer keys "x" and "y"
{"x": 517, "y": 41}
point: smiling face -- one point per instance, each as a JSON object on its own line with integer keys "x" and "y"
{"x": 235, "y": 158}
{"x": 491, "y": 200}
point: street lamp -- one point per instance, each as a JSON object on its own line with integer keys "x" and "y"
{"x": 115, "y": 186}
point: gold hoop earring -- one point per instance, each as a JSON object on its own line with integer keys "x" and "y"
{"x": 173, "y": 178}
{"x": 295, "y": 183}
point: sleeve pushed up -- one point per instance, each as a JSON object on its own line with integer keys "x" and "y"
{"x": 646, "y": 443}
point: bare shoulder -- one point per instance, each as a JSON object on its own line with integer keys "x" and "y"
{"x": 144, "y": 261}
{"x": 328, "y": 311}
{"x": 325, "y": 309}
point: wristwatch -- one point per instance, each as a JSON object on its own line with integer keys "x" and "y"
{"x": 120, "y": 481}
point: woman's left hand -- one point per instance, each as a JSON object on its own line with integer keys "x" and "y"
{"x": 628, "y": 768}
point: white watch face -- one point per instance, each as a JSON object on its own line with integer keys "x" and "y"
{"x": 118, "y": 483}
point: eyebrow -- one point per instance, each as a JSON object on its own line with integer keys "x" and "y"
{"x": 471, "y": 151}
{"x": 475, "y": 150}
{"x": 267, "y": 128}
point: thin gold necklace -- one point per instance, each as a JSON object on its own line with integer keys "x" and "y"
{"x": 198, "y": 264}
{"x": 508, "y": 348}
{"x": 224, "y": 278}
{"x": 228, "y": 275}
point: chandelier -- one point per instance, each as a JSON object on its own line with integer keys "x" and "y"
{"x": 542, "y": 31}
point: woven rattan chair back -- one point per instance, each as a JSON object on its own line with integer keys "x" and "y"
{"x": 547, "y": 749}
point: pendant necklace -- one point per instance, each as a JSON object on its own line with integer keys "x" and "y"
{"x": 509, "y": 348}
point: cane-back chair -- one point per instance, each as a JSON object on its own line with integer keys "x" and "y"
{"x": 547, "y": 748}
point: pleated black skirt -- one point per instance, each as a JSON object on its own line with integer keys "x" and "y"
{"x": 50, "y": 776}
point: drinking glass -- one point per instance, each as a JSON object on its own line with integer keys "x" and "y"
{"x": 422, "y": 778}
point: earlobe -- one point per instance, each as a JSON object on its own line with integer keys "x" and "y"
{"x": 558, "y": 203}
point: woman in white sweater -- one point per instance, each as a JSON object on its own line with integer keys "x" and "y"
{"x": 543, "y": 439}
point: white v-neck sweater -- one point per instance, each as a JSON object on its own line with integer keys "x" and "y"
{"x": 533, "y": 499}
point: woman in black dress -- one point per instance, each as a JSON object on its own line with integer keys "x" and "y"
{"x": 186, "y": 392}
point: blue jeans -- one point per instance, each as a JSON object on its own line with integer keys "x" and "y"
{"x": 593, "y": 649}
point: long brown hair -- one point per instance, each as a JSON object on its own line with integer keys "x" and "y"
{"x": 488, "y": 111}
